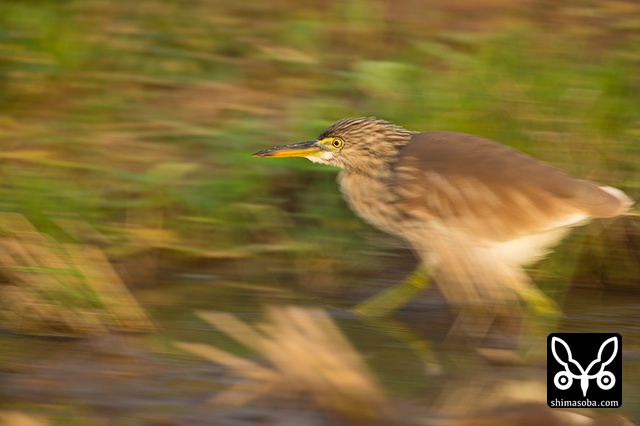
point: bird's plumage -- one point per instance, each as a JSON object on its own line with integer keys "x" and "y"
{"x": 474, "y": 210}
{"x": 490, "y": 190}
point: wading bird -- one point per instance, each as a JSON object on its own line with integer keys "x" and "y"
{"x": 475, "y": 211}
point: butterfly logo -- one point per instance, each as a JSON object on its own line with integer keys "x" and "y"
{"x": 564, "y": 379}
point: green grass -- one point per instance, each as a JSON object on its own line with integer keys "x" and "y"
{"x": 143, "y": 116}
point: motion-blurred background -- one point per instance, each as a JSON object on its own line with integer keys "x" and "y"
{"x": 128, "y": 199}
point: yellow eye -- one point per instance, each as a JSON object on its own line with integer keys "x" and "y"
{"x": 337, "y": 143}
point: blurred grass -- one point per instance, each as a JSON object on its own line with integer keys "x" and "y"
{"x": 307, "y": 358}
{"x": 61, "y": 289}
{"x": 139, "y": 118}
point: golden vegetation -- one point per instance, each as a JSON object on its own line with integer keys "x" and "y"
{"x": 306, "y": 355}
{"x": 56, "y": 288}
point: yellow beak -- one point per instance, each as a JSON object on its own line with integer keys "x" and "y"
{"x": 302, "y": 149}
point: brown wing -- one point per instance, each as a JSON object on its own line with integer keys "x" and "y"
{"x": 492, "y": 191}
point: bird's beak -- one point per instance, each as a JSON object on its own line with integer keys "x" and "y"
{"x": 301, "y": 149}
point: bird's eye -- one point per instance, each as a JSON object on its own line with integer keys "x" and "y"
{"x": 337, "y": 143}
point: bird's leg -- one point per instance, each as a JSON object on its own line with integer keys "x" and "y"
{"x": 541, "y": 316}
{"x": 391, "y": 299}
{"x": 538, "y": 303}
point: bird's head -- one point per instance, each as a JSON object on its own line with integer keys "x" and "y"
{"x": 358, "y": 144}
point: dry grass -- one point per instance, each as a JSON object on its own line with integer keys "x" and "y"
{"x": 56, "y": 288}
{"x": 305, "y": 355}
{"x": 16, "y": 418}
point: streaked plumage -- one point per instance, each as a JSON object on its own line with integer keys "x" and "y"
{"x": 474, "y": 210}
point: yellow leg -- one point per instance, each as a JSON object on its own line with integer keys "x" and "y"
{"x": 391, "y": 299}
{"x": 388, "y": 300}
{"x": 539, "y": 303}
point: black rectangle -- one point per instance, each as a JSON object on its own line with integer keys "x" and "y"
{"x": 584, "y": 370}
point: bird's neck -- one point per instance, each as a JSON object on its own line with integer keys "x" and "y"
{"x": 379, "y": 168}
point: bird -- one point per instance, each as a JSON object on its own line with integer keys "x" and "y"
{"x": 475, "y": 212}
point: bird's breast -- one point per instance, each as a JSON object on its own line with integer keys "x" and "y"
{"x": 373, "y": 200}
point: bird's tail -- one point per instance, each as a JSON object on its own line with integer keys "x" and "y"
{"x": 605, "y": 201}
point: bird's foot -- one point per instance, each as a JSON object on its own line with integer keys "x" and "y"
{"x": 539, "y": 303}
{"x": 544, "y": 318}
{"x": 391, "y": 299}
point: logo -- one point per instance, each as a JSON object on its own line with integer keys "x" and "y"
{"x": 584, "y": 370}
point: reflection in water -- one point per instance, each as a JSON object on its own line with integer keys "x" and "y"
{"x": 509, "y": 365}
{"x": 428, "y": 377}
{"x": 306, "y": 355}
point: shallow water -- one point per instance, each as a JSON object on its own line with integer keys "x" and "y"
{"x": 146, "y": 380}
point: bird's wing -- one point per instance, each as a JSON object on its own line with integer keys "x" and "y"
{"x": 490, "y": 191}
